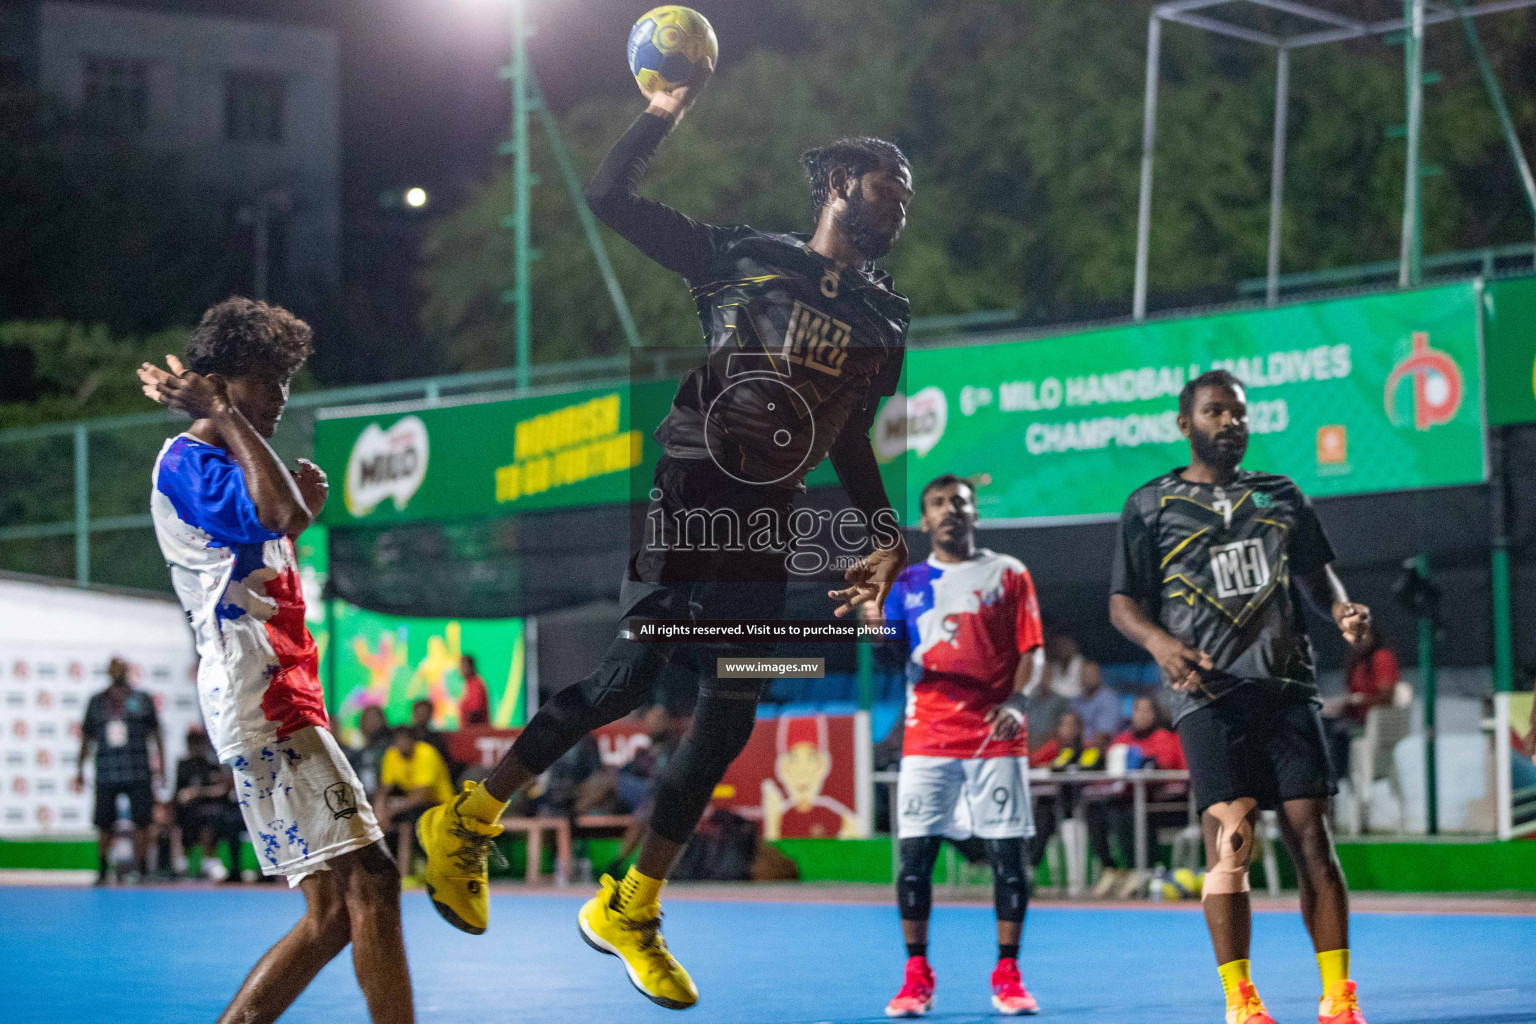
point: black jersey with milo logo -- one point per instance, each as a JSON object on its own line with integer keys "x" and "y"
{"x": 799, "y": 348}
{"x": 1215, "y": 566}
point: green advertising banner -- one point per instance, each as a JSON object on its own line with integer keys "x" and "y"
{"x": 389, "y": 662}
{"x": 1346, "y": 397}
{"x": 1350, "y": 396}
{"x": 1509, "y": 338}
{"x": 488, "y": 458}
{"x": 313, "y": 548}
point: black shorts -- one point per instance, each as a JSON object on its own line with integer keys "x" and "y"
{"x": 699, "y": 546}
{"x": 687, "y": 573}
{"x": 141, "y": 803}
{"x": 1259, "y": 744}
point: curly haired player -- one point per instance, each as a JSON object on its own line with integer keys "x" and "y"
{"x": 226, "y": 511}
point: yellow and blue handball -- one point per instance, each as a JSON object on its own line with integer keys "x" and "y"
{"x": 667, "y": 45}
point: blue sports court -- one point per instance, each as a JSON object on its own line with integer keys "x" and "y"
{"x": 149, "y": 956}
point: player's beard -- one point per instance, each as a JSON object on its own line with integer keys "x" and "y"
{"x": 961, "y": 540}
{"x": 1208, "y": 451}
{"x": 857, "y": 223}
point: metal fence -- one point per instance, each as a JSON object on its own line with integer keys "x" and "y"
{"x": 73, "y": 495}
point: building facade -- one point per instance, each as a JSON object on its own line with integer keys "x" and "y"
{"x": 252, "y": 108}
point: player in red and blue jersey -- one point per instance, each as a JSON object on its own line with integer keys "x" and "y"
{"x": 226, "y": 511}
{"x": 971, "y": 624}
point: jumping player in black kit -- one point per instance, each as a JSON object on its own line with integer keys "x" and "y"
{"x": 804, "y": 336}
{"x": 1213, "y": 567}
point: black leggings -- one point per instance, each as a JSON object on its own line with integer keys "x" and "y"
{"x": 626, "y": 679}
{"x": 1010, "y": 877}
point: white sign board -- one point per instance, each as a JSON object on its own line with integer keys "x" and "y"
{"x": 55, "y": 642}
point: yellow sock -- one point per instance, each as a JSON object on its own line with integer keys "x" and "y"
{"x": 637, "y": 890}
{"x": 1333, "y": 965}
{"x": 1232, "y": 973}
{"x": 481, "y": 806}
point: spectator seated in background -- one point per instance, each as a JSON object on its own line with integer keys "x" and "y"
{"x": 1370, "y": 677}
{"x": 376, "y": 739}
{"x": 1064, "y": 663}
{"x": 1042, "y": 713}
{"x": 205, "y": 813}
{"x": 1067, "y": 749}
{"x": 634, "y": 784}
{"x": 578, "y": 783}
{"x": 1064, "y": 752}
{"x": 1099, "y": 708}
{"x": 412, "y": 778}
{"x": 421, "y": 729}
{"x": 475, "y": 701}
{"x": 1148, "y": 743}
{"x": 566, "y": 785}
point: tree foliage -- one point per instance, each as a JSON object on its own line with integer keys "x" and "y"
{"x": 56, "y": 370}
{"x": 1024, "y": 124}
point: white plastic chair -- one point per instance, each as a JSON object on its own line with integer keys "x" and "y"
{"x": 1371, "y": 760}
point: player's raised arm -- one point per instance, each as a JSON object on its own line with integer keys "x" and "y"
{"x": 279, "y": 505}
{"x": 673, "y": 239}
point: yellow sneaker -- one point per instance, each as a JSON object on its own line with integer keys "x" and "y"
{"x": 635, "y": 938}
{"x": 457, "y": 846}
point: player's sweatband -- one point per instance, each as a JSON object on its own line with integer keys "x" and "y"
{"x": 1014, "y": 706}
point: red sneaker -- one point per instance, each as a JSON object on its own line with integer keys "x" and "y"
{"x": 1340, "y": 1005}
{"x": 916, "y": 995}
{"x": 1250, "y": 1008}
{"x": 1009, "y": 996}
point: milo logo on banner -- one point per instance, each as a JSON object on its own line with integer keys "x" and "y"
{"x": 386, "y": 464}
{"x": 910, "y": 424}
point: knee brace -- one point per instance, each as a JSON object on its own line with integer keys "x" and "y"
{"x": 914, "y": 885}
{"x": 1234, "y": 848}
{"x": 722, "y": 725}
{"x": 1010, "y": 878}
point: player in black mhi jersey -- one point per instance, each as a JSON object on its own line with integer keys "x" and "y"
{"x": 804, "y": 336}
{"x": 1213, "y": 569}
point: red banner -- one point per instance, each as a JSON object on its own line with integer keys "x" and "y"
{"x": 805, "y": 777}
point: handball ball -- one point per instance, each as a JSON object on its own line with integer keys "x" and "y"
{"x": 666, "y": 46}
